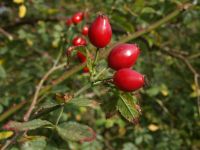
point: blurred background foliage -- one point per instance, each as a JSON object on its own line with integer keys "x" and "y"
{"x": 29, "y": 39}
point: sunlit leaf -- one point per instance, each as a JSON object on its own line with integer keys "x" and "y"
{"x": 22, "y": 11}
{"x": 84, "y": 102}
{"x": 5, "y": 134}
{"x": 23, "y": 126}
{"x": 127, "y": 107}
{"x": 75, "y": 132}
{"x": 34, "y": 143}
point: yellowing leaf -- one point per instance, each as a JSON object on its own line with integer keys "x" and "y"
{"x": 165, "y": 92}
{"x": 5, "y": 134}
{"x": 153, "y": 127}
{"x": 78, "y": 117}
{"x": 193, "y": 86}
{"x": 22, "y": 11}
{"x": 122, "y": 131}
{"x": 18, "y": 1}
{"x": 195, "y": 94}
{"x": 83, "y": 109}
{"x": 29, "y": 42}
{"x": 1, "y": 61}
{"x": 52, "y": 11}
{"x": 54, "y": 44}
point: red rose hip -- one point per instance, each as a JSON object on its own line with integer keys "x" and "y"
{"x": 100, "y": 32}
{"x": 128, "y": 80}
{"x": 85, "y": 30}
{"x": 77, "y": 17}
{"x": 69, "y": 21}
{"x": 82, "y": 58}
{"x": 86, "y": 69}
{"x": 123, "y": 56}
{"x": 79, "y": 41}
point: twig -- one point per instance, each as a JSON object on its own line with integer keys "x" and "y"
{"x": 149, "y": 28}
{"x": 4, "y": 32}
{"x": 38, "y": 88}
{"x": 196, "y": 82}
{"x": 181, "y": 57}
{"x": 12, "y": 110}
{"x": 31, "y": 21}
{"x": 194, "y": 56}
{"x": 190, "y": 67}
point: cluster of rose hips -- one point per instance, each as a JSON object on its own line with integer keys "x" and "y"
{"x": 121, "y": 58}
{"x": 78, "y": 40}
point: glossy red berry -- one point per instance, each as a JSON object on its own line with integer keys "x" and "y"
{"x": 85, "y": 69}
{"x": 77, "y": 17}
{"x": 79, "y": 41}
{"x": 123, "y": 56}
{"x": 100, "y": 32}
{"x": 69, "y": 21}
{"x": 128, "y": 80}
{"x": 85, "y": 30}
{"x": 82, "y": 58}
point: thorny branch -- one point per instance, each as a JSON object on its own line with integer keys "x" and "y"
{"x": 196, "y": 75}
{"x": 38, "y": 88}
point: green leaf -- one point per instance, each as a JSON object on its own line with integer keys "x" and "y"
{"x": 148, "y": 10}
{"x": 127, "y": 106}
{"x": 83, "y": 102}
{"x": 153, "y": 91}
{"x": 23, "y": 126}
{"x": 75, "y": 132}
{"x": 2, "y": 72}
{"x": 95, "y": 145}
{"x": 46, "y": 108}
{"x": 138, "y": 5}
{"x": 123, "y": 23}
{"x": 129, "y": 146}
{"x": 38, "y": 143}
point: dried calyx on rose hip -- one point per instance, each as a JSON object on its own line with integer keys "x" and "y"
{"x": 123, "y": 56}
{"x": 100, "y": 32}
{"x": 128, "y": 80}
{"x": 77, "y": 17}
{"x": 79, "y": 41}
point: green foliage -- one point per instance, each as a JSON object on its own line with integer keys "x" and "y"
{"x": 127, "y": 106}
{"x": 75, "y": 132}
{"x": 35, "y": 143}
{"x": 24, "y": 126}
{"x": 29, "y": 47}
